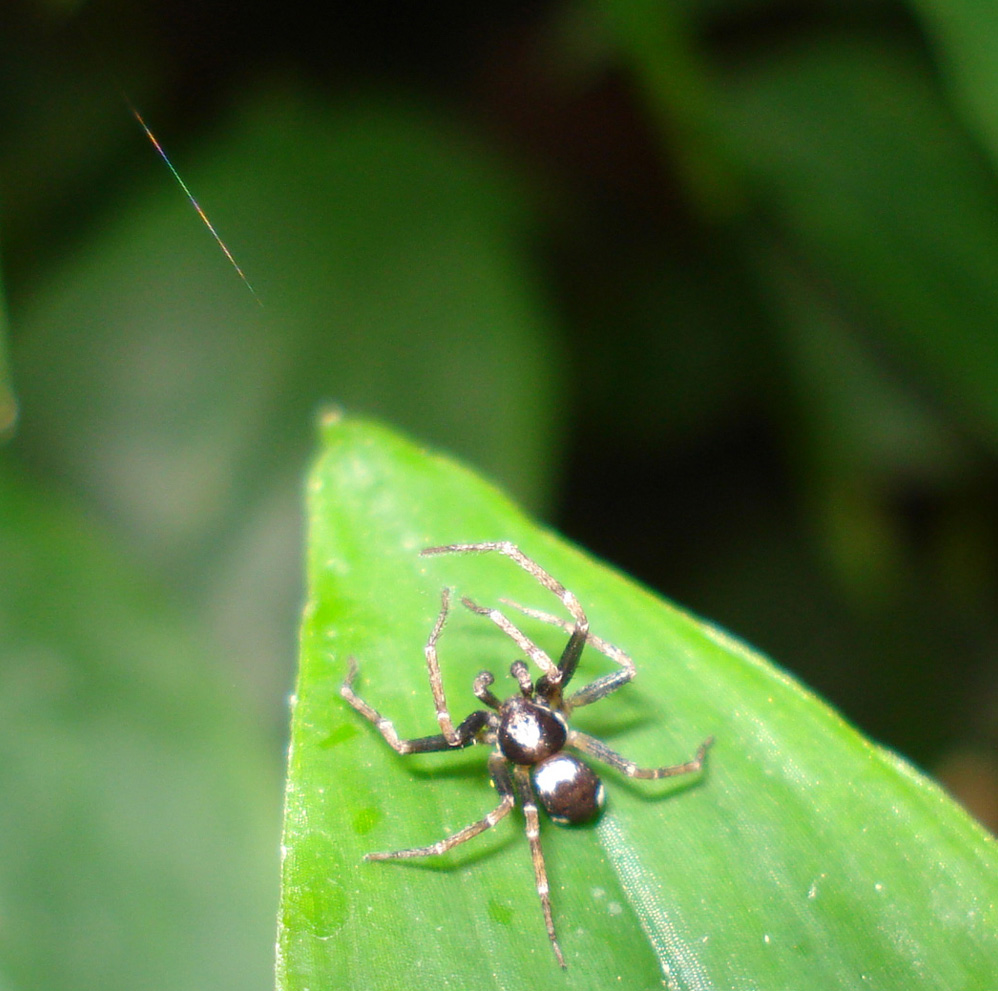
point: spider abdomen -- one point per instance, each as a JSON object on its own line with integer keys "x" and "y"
{"x": 569, "y": 790}
{"x": 529, "y": 732}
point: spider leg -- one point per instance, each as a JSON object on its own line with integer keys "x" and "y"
{"x": 522, "y": 641}
{"x": 600, "y": 751}
{"x": 526, "y": 795}
{"x": 532, "y": 568}
{"x": 464, "y": 735}
{"x": 504, "y": 786}
{"x": 602, "y": 686}
{"x": 433, "y": 667}
{"x": 570, "y": 656}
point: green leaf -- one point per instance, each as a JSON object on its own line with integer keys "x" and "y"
{"x": 659, "y": 48}
{"x": 966, "y": 39}
{"x": 8, "y": 399}
{"x": 136, "y": 826}
{"x": 858, "y": 427}
{"x": 806, "y": 857}
{"x": 855, "y": 153}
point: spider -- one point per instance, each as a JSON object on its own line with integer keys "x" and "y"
{"x": 529, "y": 730}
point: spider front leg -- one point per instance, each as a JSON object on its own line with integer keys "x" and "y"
{"x": 601, "y": 687}
{"x": 600, "y": 751}
{"x": 433, "y": 667}
{"x": 554, "y": 674}
{"x": 464, "y": 735}
{"x": 450, "y": 736}
{"x": 538, "y": 656}
{"x": 504, "y": 787}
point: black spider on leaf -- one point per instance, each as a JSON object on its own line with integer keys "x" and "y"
{"x": 529, "y": 730}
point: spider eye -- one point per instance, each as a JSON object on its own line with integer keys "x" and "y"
{"x": 569, "y": 790}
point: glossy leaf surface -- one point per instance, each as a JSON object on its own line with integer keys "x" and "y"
{"x": 806, "y": 857}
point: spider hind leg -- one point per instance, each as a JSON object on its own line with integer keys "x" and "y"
{"x": 598, "y": 750}
{"x": 504, "y": 786}
{"x": 526, "y": 795}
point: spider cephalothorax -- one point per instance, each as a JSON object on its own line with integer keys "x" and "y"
{"x": 529, "y": 730}
{"x": 531, "y": 734}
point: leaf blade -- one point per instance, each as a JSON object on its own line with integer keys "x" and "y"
{"x": 765, "y": 872}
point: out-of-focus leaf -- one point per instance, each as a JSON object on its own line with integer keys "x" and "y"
{"x": 852, "y": 149}
{"x": 862, "y": 419}
{"x": 659, "y": 49}
{"x": 380, "y": 241}
{"x": 966, "y": 36}
{"x": 8, "y": 399}
{"x": 806, "y": 858}
{"x": 383, "y": 244}
{"x": 137, "y": 824}
{"x": 861, "y": 432}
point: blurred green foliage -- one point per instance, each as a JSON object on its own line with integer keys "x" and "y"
{"x": 138, "y": 808}
{"x": 709, "y": 285}
{"x": 8, "y": 402}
